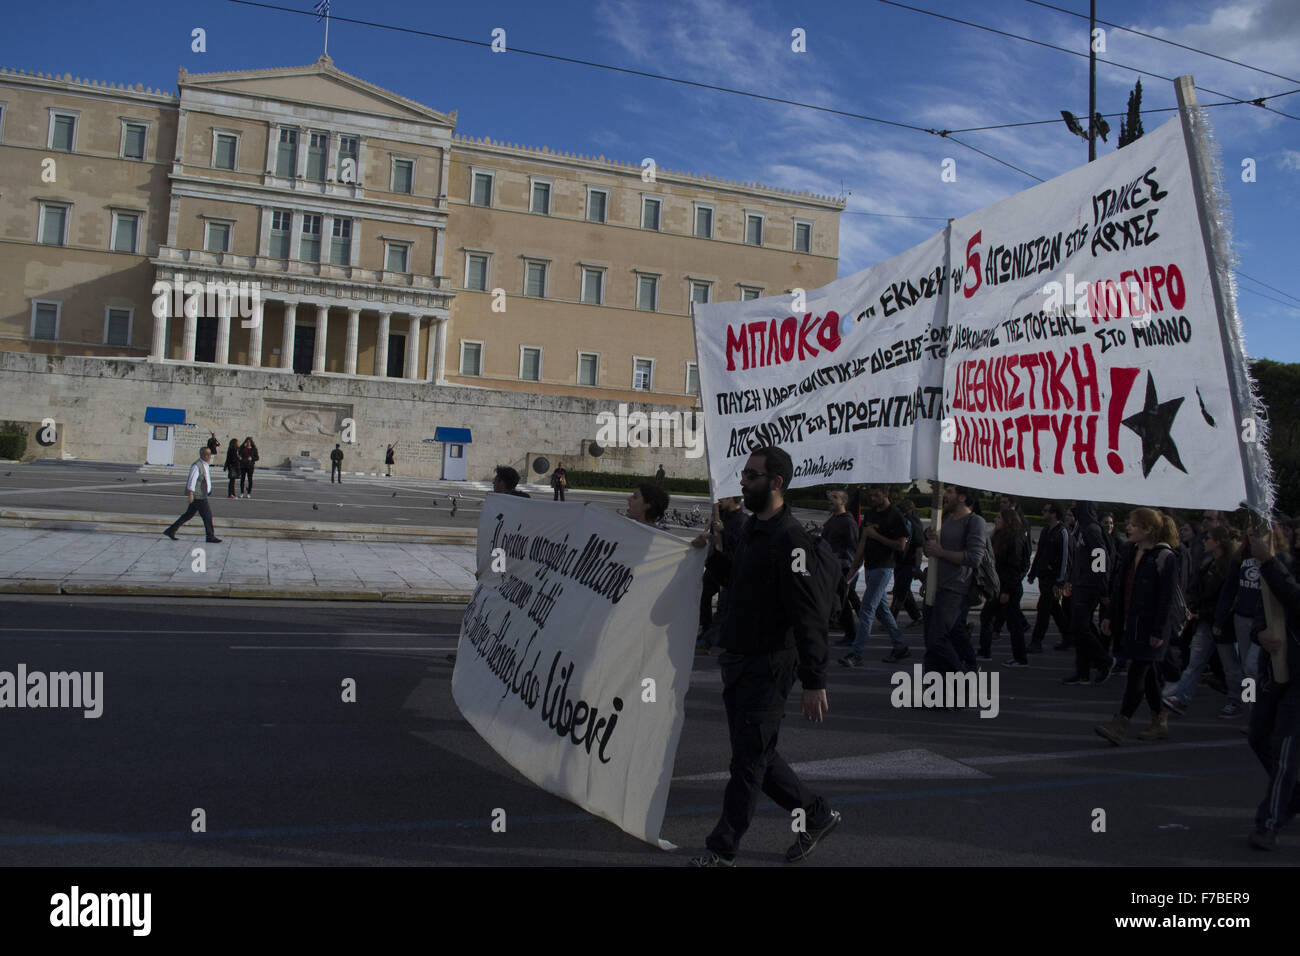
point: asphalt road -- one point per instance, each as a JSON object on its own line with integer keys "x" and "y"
{"x": 235, "y": 708}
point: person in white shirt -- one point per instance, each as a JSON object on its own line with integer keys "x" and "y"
{"x": 198, "y": 487}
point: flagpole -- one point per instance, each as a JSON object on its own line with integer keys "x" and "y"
{"x": 327, "y": 31}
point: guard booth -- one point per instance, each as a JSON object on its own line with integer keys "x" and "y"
{"x": 162, "y": 424}
{"x": 454, "y": 442}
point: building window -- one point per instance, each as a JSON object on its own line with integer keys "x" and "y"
{"x": 117, "y": 327}
{"x": 216, "y": 237}
{"x": 63, "y": 131}
{"x": 597, "y": 204}
{"x": 747, "y": 293}
{"x": 482, "y": 190}
{"x": 403, "y": 175}
{"x": 318, "y": 145}
{"x": 588, "y": 368}
{"x": 530, "y": 364}
{"x": 126, "y": 231}
{"x": 541, "y": 198}
{"x": 643, "y": 374}
{"x": 802, "y": 236}
{"x": 225, "y": 146}
{"x": 700, "y": 292}
{"x": 286, "y": 156}
{"x": 133, "y": 139}
{"x": 647, "y": 293}
{"x": 53, "y": 225}
{"x": 476, "y": 272}
{"x": 341, "y": 242}
{"x": 593, "y": 286}
{"x": 650, "y": 212}
{"x": 397, "y": 256}
{"x": 45, "y": 320}
{"x": 347, "y": 163}
{"x": 281, "y": 230}
{"x": 753, "y": 229}
{"x": 692, "y": 379}
{"x": 535, "y": 279}
{"x": 471, "y": 358}
{"x": 704, "y": 222}
{"x": 309, "y": 245}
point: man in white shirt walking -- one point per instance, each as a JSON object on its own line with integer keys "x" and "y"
{"x": 199, "y": 487}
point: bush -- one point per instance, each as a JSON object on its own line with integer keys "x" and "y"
{"x": 13, "y": 445}
{"x": 606, "y": 480}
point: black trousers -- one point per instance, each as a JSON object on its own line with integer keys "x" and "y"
{"x": 1143, "y": 678}
{"x": 559, "y": 493}
{"x": 200, "y": 507}
{"x": 336, "y": 468}
{"x": 230, "y": 486}
{"x": 755, "y": 688}
{"x": 246, "y": 475}
{"x": 709, "y": 589}
{"x": 1275, "y": 736}
{"x": 1089, "y": 651}
{"x": 994, "y": 613}
{"x": 1049, "y": 609}
{"x": 904, "y": 599}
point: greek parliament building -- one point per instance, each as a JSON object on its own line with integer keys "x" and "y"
{"x": 469, "y": 301}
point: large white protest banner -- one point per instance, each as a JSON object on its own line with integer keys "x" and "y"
{"x": 848, "y": 381}
{"x": 1086, "y": 358}
{"x": 575, "y": 653}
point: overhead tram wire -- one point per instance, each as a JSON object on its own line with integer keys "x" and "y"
{"x": 1157, "y": 109}
{"x": 1259, "y": 101}
{"x": 641, "y": 73}
{"x": 1181, "y": 46}
{"x": 1267, "y": 286}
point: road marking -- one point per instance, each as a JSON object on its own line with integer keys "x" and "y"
{"x": 916, "y": 764}
{"x": 1096, "y": 751}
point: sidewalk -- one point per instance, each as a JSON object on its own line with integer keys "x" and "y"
{"x": 38, "y": 561}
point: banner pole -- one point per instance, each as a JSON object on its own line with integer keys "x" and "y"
{"x": 1254, "y": 464}
{"x": 936, "y": 496}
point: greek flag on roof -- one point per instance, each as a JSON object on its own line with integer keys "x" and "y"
{"x": 322, "y": 9}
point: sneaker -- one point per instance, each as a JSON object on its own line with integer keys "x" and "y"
{"x": 1074, "y": 679}
{"x": 851, "y": 660}
{"x": 1175, "y": 704}
{"x": 1264, "y": 839}
{"x": 712, "y": 859}
{"x": 808, "y": 840}
{"x": 1107, "y": 669}
{"x": 1230, "y": 710}
{"x": 230, "y": 496}
{"x": 170, "y": 533}
{"x": 214, "y": 540}
{"x": 897, "y": 654}
{"x": 1015, "y": 663}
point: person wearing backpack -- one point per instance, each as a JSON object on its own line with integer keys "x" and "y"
{"x": 1011, "y": 557}
{"x": 882, "y": 541}
{"x": 774, "y": 628}
{"x": 1088, "y": 590}
{"x": 1141, "y": 613}
{"x": 959, "y": 549}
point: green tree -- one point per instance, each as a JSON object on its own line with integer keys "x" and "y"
{"x": 1279, "y": 388}
{"x": 1130, "y": 128}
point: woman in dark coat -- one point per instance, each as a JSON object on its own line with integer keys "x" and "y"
{"x": 1141, "y": 603}
{"x": 248, "y": 459}
{"x": 231, "y": 466}
{"x": 1011, "y": 559}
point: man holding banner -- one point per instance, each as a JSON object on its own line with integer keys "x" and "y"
{"x": 776, "y": 625}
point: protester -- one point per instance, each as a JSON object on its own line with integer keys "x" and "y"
{"x": 1275, "y": 722}
{"x": 1006, "y": 501}
{"x": 231, "y": 467}
{"x": 198, "y": 486}
{"x": 1139, "y": 611}
{"x": 841, "y": 532}
{"x": 1087, "y": 590}
{"x": 959, "y": 548}
{"x": 1203, "y": 602}
{"x": 775, "y": 625}
{"x": 389, "y": 462}
{"x": 1235, "y": 616}
{"x": 559, "y": 481}
{"x": 248, "y": 459}
{"x": 647, "y": 504}
{"x": 1050, "y": 567}
{"x": 336, "y": 464}
{"x": 1011, "y": 560}
{"x": 660, "y": 476}
{"x": 909, "y": 565}
{"x": 505, "y": 480}
{"x": 882, "y": 540}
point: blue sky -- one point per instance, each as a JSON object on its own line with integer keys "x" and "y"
{"x": 863, "y": 57}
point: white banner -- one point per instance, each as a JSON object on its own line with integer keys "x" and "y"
{"x": 576, "y": 652}
{"x": 848, "y": 381}
{"x": 1086, "y": 356}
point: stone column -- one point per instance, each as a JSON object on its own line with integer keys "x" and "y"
{"x": 350, "y": 358}
{"x": 381, "y": 345}
{"x": 412, "y": 346}
{"x": 440, "y": 352}
{"x": 191, "y": 333}
{"x": 223, "y": 330}
{"x": 322, "y": 330}
{"x": 159, "y": 350}
{"x": 255, "y": 333}
{"x": 290, "y": 324}
{"x": 431, "y": 351}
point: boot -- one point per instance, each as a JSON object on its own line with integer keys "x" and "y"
{"x": 1159, "y": 728}
{"x": 1115, "y": 730}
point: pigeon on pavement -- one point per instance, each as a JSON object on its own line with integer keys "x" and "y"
{"x": 315, "y": 507}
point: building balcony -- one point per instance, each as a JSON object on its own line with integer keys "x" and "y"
{"x": 296, "y": 268}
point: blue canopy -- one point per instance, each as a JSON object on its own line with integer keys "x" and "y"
{"x": 164, "y": 416}
{"x": 458, "y": 435}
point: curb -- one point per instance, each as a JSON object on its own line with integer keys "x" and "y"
{"x": 245, "y": 591}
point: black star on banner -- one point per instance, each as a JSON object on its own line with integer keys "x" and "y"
{"x": 1153, "y": 425}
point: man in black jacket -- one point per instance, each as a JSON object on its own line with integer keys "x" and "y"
{"x": 1049, "y": 569}
{"x": 1088, "y": 589}
{"x": 841, "y": 532}
{"x": 336, "y": 464}
{"x": 731, "y": 520}
{"x": 775, "y": 625}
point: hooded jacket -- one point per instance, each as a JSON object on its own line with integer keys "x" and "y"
{"x": 1150, "y": 601}
{"x": 1091, "y": 537}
